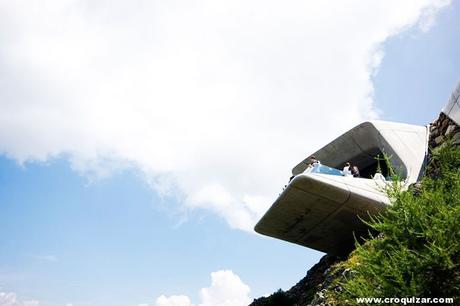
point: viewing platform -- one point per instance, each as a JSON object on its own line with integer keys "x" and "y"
{"x": 320, "y": 208}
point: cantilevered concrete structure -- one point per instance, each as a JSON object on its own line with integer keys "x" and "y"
{"x": 321, "y": 209}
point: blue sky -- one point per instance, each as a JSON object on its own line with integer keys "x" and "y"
{"x": 419, "y": 71}
{"x": 115, "y": 235}
{"x": 103, "y": 199}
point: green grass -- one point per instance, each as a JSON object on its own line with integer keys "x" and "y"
{"x": 417, "y": 252}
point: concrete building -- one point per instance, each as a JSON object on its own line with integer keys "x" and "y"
{"x": 322, "y": 209}
{"x": 452, "y": 108}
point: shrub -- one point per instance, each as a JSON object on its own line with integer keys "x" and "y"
{"x": 417, "y": 252}
{"x": 279, "y": 298}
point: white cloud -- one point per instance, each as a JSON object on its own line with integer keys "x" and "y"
{"x": 214, "y": 101}
{"x": 427, "y": 19}
{"x": 10, "y": 299}
{"x": 174, "y": 300}
{"x": 226, "y": 289}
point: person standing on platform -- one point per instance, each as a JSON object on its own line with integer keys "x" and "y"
{"x": 355, "y": 171}
{"x": 347, "y": 170}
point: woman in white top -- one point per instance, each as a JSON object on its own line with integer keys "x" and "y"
{"x": 346, "y": 170}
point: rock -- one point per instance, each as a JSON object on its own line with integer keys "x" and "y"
{"x": 444, "y": 124}
{"x": 442, "y": 116}
{"x": 338, "y": 288}
{"x": 439, "y": 139}
{"x": 415, "y": 188}
{"x": 450, "y": 129}
{"x": 456, "y": 138}
{"x": 307, "y": 289}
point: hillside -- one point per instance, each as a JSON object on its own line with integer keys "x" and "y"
{"x": 415, "y": 251}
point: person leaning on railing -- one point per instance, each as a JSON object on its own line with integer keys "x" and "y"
{"x": 314, "y": 164}
{"x": 347, "y": 169}
{"x": 355, "y": 171}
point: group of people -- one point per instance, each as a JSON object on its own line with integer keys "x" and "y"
{"x": 314, "y": 163}
{"x": 350, "y": 170}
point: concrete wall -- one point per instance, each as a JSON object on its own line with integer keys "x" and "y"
{"x": 442, "y": 129}
{"x": 452, "y": 108}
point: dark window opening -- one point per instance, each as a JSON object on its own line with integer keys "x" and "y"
{"x": 369, "y": 162}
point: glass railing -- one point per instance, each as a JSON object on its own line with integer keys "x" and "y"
{"x": 324, "y": 170}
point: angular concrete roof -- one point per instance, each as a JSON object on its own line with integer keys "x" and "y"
{"x": 406, "y": 145}
{"x": 322, "y": 211}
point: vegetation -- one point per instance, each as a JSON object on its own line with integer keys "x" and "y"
{"x": 417, "y": 250}
{"x": 279, "y": 298}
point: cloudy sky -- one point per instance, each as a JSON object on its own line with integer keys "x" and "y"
{"x": 141, "y": 141}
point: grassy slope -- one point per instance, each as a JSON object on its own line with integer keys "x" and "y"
{"x": 417, "y": 252}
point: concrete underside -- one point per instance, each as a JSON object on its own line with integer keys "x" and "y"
{"x": 322, "y": 211}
